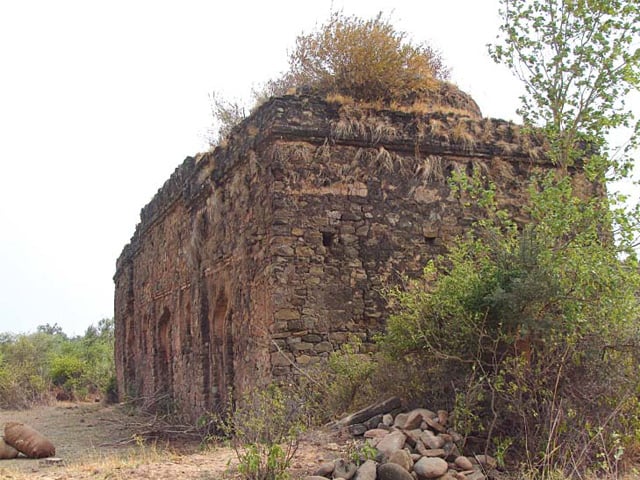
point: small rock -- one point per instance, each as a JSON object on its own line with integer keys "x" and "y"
{"x": 366, "y": 471}
{"x": 357, "y": 429}
{"x": 430, "y": 467}
{"x": 463, "y": 463}
{"x": 415, "y": 457}
{"x": 451, "y": 451}
{"x": 325, "y": 469}
{"x": 420, "y": 448}
{"x": 415, "y": 418}
{"x": 432, "y": 441}
{"x": 435, "y": 452}
{"x": 314, "y": 477}
{"x": 486, "y": 461}
{"x": 476, "y": 475}
{"x": 344, "y": 469}
{"x": 376, "y": 433}
{"x": 400, "y": 420}
{"x": 402, "y": 458}
{"x": 392, "y": 442}
{"x": 435, "y": 426}
{"x": 51, "y": 461}
{"x": 392, "y": 471}
{"x": 387, "y": 419}
{"x": 443, "y": 417}
{"x": 448, "y": 476}
{"x": 426, "y": 431}
{"x": 373, "y": 422}
{"x": 413, "y": 436}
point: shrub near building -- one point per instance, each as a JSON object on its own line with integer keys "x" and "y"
{"x": 36, "y": 367}
{"x": 348, "y": 59}
{"x": 367, "y": 60}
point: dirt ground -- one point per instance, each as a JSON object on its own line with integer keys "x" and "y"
{"x": 98, "y": 442}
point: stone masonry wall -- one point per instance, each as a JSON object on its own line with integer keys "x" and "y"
{"x": 263, "y": 256}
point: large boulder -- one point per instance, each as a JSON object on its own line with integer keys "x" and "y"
{"x": 367, "y": 471}
{"x": 427, "y": 468}
{"x": 392, "y": 471}
{"x": 402, "y": 458}
{"x": 392, "y": 442}
{"x": 344, "y": 469}
{"x": 7, "y": 451}
{"x": 28, "y": 441}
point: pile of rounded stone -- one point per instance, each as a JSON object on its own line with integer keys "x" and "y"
{"x": 417, "y": 445}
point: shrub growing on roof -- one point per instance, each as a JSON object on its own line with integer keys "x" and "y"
{"x": 368, "y": 60}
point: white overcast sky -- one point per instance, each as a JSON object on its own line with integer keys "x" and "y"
{"x": 101, "y": 100}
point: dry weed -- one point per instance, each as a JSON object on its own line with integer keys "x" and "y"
{"x": 430, "y": 170}
{"x": 439, "y": 129}
{"x": 339, "y": 99}
{"x": 488, "y": 130}
{"x": 506, "y": 147}
{"x": 323, "y": 152}
{"x": 355, "y": 122}
{"x": 462, "y": 136}
{"x": 385, "y": 160}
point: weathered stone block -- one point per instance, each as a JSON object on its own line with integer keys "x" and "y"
{"x": 323, "y": 347}
{"x": 312, "y": 338}
{"x": 280, "y": 359}
{"x": 287, "y": 314}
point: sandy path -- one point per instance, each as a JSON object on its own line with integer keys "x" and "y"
{"x": 95, "y": 442}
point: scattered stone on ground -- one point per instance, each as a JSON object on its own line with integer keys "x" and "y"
{"x": 414, "y": 445}
{"x": 51, "y": 461}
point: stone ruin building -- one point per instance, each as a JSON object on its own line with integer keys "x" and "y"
{"x": 261, "y": 257}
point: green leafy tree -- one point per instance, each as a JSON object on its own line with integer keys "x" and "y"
{"x": 578, "y": 61}
{"x": 536, "y": 328}
{"x": 97, "y": 353}
{"x": 49, "y": 329}
{"x": 541, "y": 322}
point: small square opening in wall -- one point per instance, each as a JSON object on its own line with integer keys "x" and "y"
{"x": 430, "y": 236}
{"x": 327, "y": 238}
{"x": 431, "y": 240}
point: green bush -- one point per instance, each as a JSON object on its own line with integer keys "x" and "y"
{"x": 341, "y": 384}
{"x": 536, "y": 326}
{"x": 66, "y": 368}
{"x": 348, "y": 375}
{"x": 24, "y": 370}
{"x": 35, "y": 366}
{"x": 69, "y": 373}
{"x": 19, "y": 390}
{"x": 264, "y": 428}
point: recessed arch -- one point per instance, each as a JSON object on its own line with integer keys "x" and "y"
{"x": 221, "y": 348}
{"x": 163, "y": 371}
